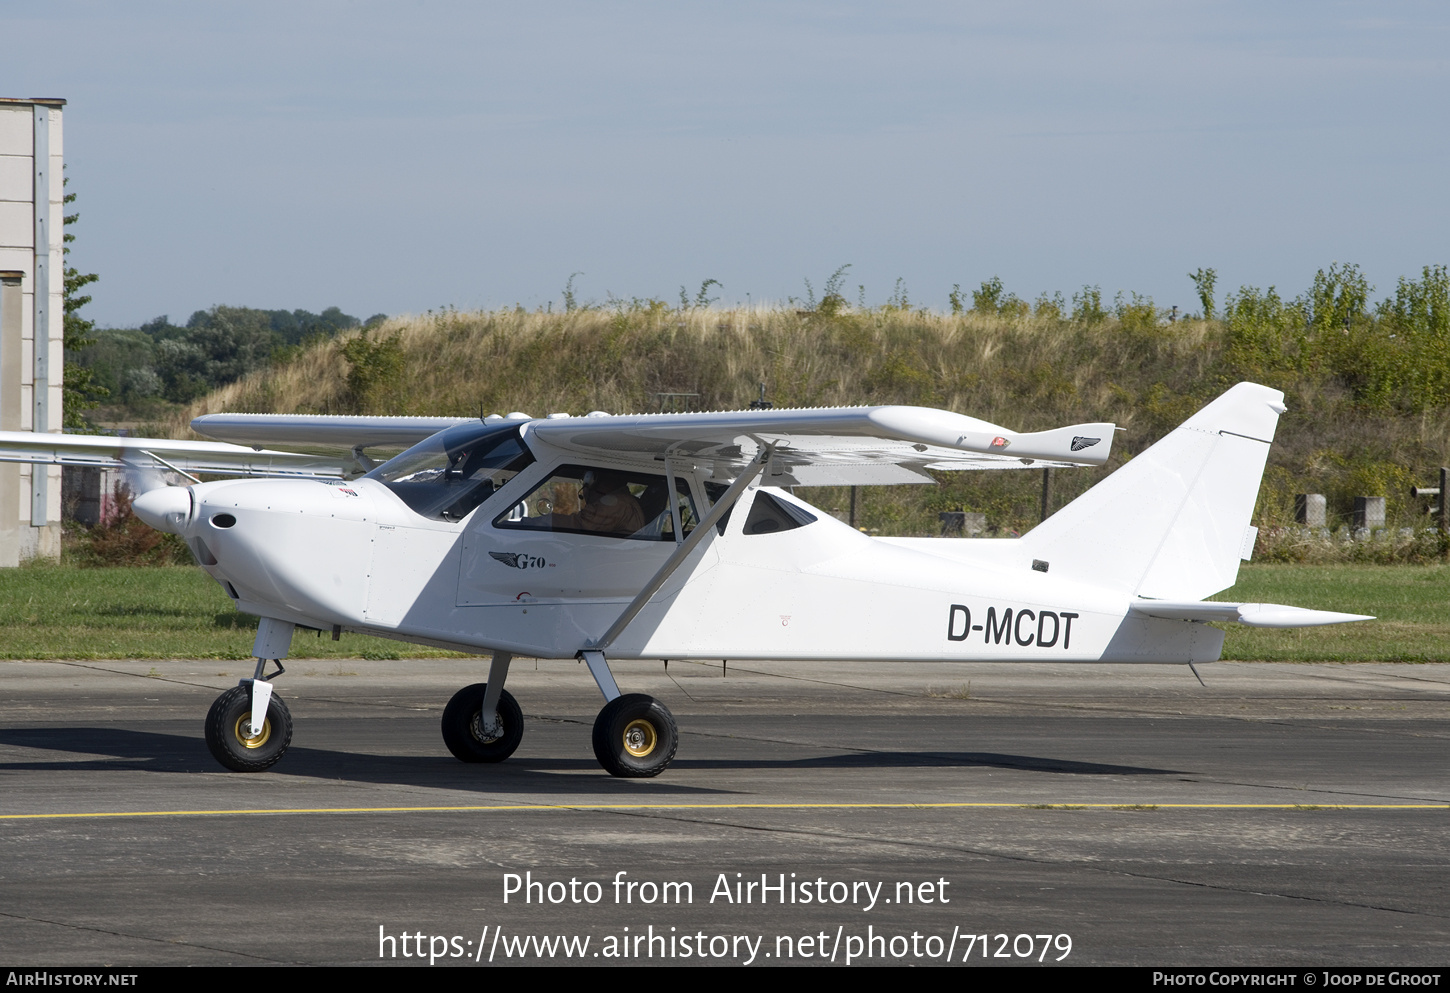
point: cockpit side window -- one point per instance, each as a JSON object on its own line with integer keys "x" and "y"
{"x": 446, "y": 476}
{"x": 611, "y": 503}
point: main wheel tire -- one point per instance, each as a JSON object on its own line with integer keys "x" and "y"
{"x": 463, "y": 726}
{"x": 228, "y": 731}
{"x": 635, "y": 736}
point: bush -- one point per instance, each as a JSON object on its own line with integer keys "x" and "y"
{"x": 375, "y": 381}
{"x": 125, "y": 540}
{"x": 1321, "y": 546}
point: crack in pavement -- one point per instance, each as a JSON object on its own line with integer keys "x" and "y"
{"x": 26, "y": 918}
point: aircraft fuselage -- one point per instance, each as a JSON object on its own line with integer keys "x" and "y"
{"x": 355, "y": 556}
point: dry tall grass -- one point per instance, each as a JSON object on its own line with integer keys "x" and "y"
{"x": 1024, "y": 371}
{"x": 1030, "y": 372}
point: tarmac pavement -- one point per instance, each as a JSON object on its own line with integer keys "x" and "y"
{"x": 886, "y": 814}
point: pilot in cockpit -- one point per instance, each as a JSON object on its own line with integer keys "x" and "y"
{"x": 608, "y": 506}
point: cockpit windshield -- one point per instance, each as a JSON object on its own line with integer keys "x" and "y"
{"x": 449, "y": 474}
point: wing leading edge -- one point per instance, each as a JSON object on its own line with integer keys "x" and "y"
{"x": 161, "y": 453}
{"x": 329, "y": 430}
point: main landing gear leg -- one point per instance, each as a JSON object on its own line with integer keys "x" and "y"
{"x": 249, "y": 727}
{"x": 635, "y": 734}
{"x": 483, "y": 722}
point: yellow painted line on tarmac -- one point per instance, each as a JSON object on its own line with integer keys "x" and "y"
{"x": 540, "y": 807}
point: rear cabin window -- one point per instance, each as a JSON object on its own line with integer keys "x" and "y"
{"x": 769, "y": 515}
{"x": 610, "y": 503}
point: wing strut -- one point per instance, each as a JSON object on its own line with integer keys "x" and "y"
{"x": 168, "y": 465}
{"x": 683, "y": 550}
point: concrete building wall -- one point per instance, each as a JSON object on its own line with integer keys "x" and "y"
{"x": 32, "y": 351}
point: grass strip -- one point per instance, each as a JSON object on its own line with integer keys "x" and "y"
{"x": 67, "y": 612}
{"x": 159, "y": 612}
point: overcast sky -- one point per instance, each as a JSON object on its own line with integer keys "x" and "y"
{"x": 399, "y": 156}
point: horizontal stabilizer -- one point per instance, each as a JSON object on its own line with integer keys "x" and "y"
{"x": 1255, "y": 615}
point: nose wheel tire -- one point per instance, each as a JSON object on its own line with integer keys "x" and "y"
{"x": 635, "y": 736}
{"x": 229, "y": 731}
{"x": 464, "y": 732}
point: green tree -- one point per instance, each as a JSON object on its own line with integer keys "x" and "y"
{"x": 1338, "y": 297}
{"x": 219, "y": 346}
{"x": 1203, "y": 283}
{"x": 375, "y": 379}
{"x": 1415, "y": 326}
{"x": 1350, "y": 341}
{"x": 79, "y": 391}
{"x": 1265, "y": 335}
{"x": 833, "y": 301}
{"x": 1087, "y": 306}
{"x": 987, "y": 299}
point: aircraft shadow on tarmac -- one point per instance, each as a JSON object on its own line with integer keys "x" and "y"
{"x": 150, "y": 751}
{"x": 932, "y": 759}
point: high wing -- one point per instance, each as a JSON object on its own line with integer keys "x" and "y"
{"x": 813, "y": 447}
{"x": 832, "y": 446}
{"x": 160, "y": 453}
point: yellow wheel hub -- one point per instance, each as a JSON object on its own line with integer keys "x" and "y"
{"x": 244, "y": 732}
{"x": 640, "y": 738}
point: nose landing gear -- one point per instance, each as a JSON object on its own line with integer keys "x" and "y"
{"x": 249, "y": 727}
{"x": 231, "y": 739}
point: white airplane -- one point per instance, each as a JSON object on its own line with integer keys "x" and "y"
{"x": 676, "y": 536}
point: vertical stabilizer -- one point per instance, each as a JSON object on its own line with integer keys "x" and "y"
{"x": 1174, "y": 522}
